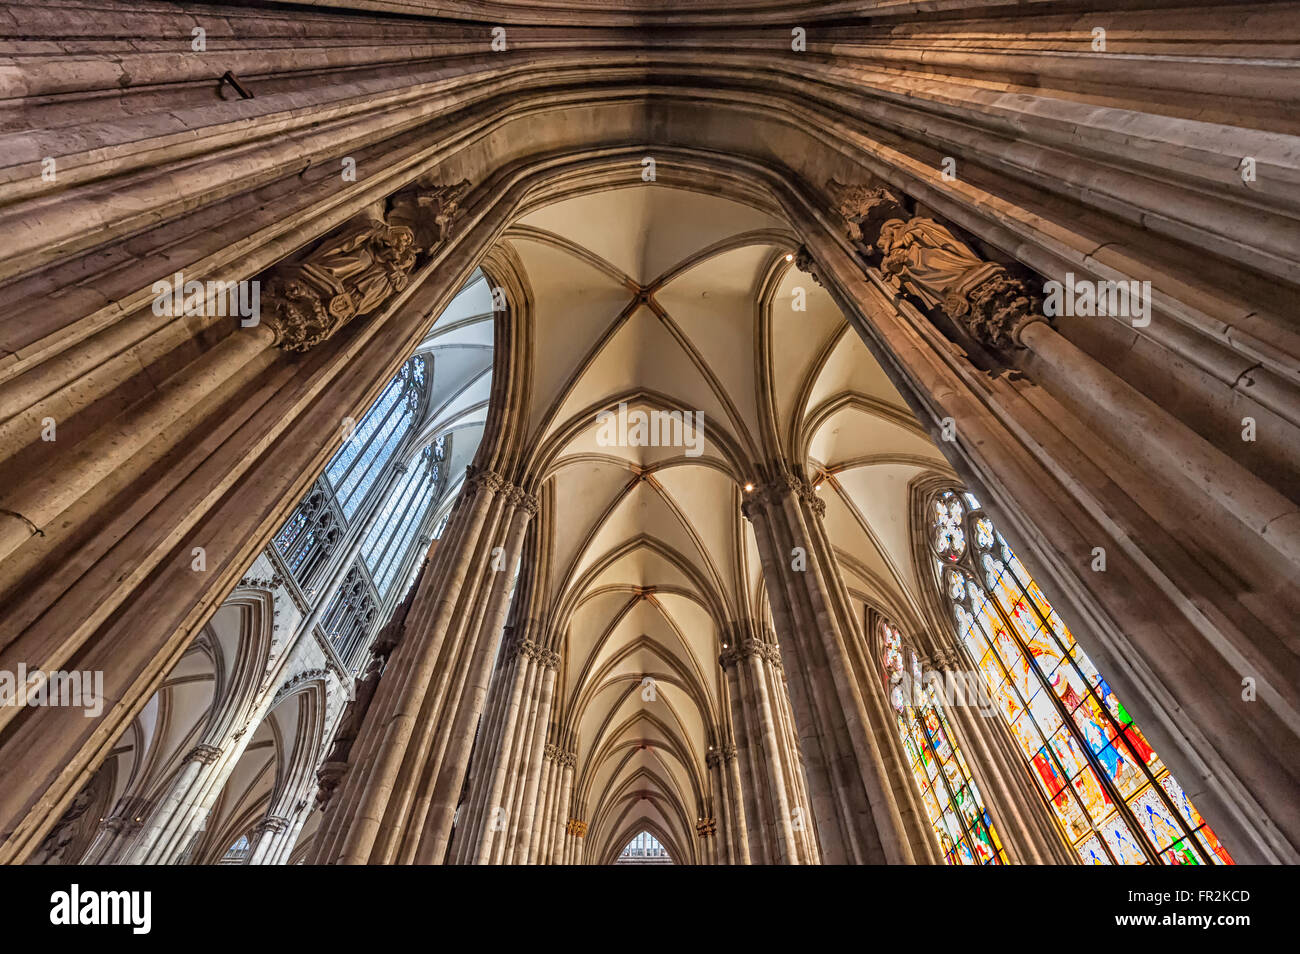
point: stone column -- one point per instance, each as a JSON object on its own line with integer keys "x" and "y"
{"x": 430, "y": 831}
{"x": 514, "y": 758}
{"x": 805, "y": 827}
{"x": 750, "y": 665}
{"x": 398, "y": 725}
{"x": 560, "y": 837}
{"x": 265, "y": 837}
{"x": 525, "y": 834}
{"x": 542, "y": 830}
{"x": 753, "y": 795}
{"x": 833, "y": 694}
{"x": 738, "y": 835}
{"x": 113, "y": 451}
{"x": 489, "y": 813}
{"x": 181, "y": 810}
{"x": 117, "y": 831}
{"x": 718, "y": 789}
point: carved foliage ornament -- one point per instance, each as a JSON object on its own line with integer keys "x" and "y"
{"x": 357, "y": 268}
{"x": 923, "y": 259}
{"x": 774, "y": 492}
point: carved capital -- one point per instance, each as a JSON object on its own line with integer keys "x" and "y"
{"x": 577, "y": 828}
{"x": 747, "y": 648}
{"x": 204, "y": 753}
{"x": 482, "y": 477}
{"x": 729, "y": 751}
{"x": 946, "y": 659}
{"x": 523, "y": 500}
{"x": 525, "y": 648}
{"x": 706, "y": 827}
{"x": 271, "y": 823}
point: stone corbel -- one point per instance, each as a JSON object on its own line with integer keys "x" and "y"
{"x": 805, "y": 263}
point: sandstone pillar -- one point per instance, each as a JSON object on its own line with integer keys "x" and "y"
{"x": 853, "y": 805}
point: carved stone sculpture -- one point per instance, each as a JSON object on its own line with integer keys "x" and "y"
{"x": 358, "y": 268}
{"x": 921, "y": 258}
{"x": 349, "y": 274}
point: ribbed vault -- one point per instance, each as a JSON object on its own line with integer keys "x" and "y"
{"x": 667, "y": 299}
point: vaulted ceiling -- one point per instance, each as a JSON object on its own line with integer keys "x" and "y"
{"x": 671, "y": 299}
{"x": 459, "y": 350}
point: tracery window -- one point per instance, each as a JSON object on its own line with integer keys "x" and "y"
{"x": 358, "y": 463}
{"x": 643, "y": 846}
{"x": 348, "y": 617}
{"x": 237, "y": 853}
{"x": 308, "y": 536}
{"x": 953, "y": 803}
{"x": 1114, "y": 799}
{"x": 388, "y": 541}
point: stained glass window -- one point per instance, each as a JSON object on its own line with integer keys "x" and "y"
{"x": 1114, "y": 799}
{"x": 952, "y": 800}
